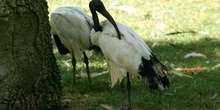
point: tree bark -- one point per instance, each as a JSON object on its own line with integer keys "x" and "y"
{"x": 29, "y": 76}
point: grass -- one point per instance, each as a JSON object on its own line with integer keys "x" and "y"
{"x": 197, "y": 17}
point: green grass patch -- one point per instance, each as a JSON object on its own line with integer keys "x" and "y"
{"x": 196, "y": 24}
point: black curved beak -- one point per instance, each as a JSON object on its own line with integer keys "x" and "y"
{"x": 97, "y": 5}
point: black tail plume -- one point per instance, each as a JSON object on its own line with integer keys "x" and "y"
{"x": 153, "y": 73}
{"x": 61, "y": 48}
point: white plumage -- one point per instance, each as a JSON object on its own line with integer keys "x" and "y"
{"x": 125, "y": 52}
{"x": 123, "y": 55}
{"x": 71, "y": 28}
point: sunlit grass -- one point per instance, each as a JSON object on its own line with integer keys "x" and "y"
{"x": 199, "y": 22}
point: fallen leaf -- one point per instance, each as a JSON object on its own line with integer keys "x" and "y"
{"x": 195, "y": 69}
{"x": 66, "y": 100}
{"x": 98, "y": 74}
{"x": 180, "y": 74}
{"x": 215, "y": 95}
{"x": 106, "y": 106}
{"x": 195, "y": 54}
{"x": 216, "y": 66}
{"x": 160, "y": 26}
{"x": 126, "y": 8}
{"x": 95, "y": 74}
{"x": 203, "y": 32}
{"x": 154, "y": 45}
{"x": 66, "y": 63}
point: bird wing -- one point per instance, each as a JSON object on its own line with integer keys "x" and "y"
{"x": 135, "y": 40}
{"x": 130, "y": 36}
{"x": 71, "y": 23}
{"x": 86, "y": 16}
{"x": 79, "y": 11}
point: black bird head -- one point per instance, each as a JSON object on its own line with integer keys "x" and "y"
{"x": 97, "y": 5}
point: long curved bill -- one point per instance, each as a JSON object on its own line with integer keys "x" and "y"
{"x": 106, "y": 14}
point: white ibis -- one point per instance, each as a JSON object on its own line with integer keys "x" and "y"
{"x": 70, "y": 27}
{"x": 125, "y": 52}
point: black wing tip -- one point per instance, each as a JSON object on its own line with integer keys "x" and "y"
{"x": 147, "y": 70}
{"x": 165, "y": 82}
{"x": 61, "y": 48}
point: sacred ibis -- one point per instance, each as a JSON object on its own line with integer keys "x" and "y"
{"x": 70, "y": 27}
{"x": 125, "y": 52}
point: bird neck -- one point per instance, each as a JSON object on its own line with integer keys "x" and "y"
{"x": 95, "y": 18}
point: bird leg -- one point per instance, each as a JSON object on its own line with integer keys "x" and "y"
{"x": 87, "y": 67}
{"x": 74, "y": 68}
{"x": 129, "y": 91}
{"x": 122, "y": 94}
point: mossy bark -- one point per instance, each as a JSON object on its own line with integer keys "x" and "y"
{"x": 29, "y": 76}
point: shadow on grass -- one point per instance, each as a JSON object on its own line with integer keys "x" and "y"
{"x": 200, "y": 92}
{"x": 174, "y": 53}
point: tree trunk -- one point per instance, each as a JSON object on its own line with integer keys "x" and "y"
{"x": 29, "y": 76}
